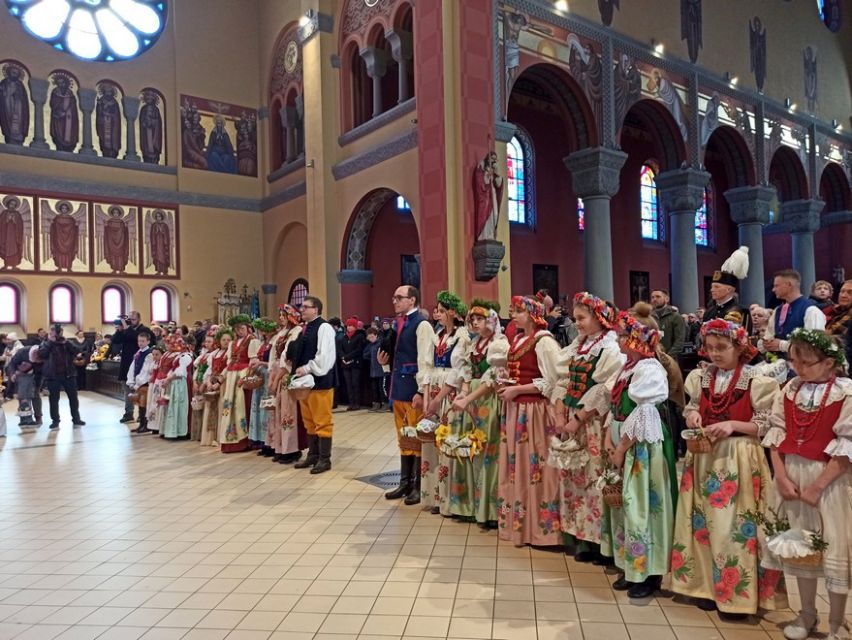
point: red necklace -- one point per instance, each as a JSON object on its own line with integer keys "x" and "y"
{"x": 621, "y": 384}
{"x": 804, "y": 420}
{"x": 441, "y": 347}
{"x": 719, "y": 403}
{"x": 482, "y": 346}
{"x": 581, "y": 351}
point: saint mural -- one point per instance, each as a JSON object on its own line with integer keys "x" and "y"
{"x": 606, "y": 9}
{"x": 809, "y": 57}
{"x": 108, "y": 121}
{"x": 16, "y": 229}
{"x": 691, "y": 26}
{"x": 587, "y": 70}
{"x": 665, "y": 91}
{"x": 150, "y": 127}
{"x": 757, "y": 48}
{"x": 14, "y": 105}
{"x": 487, "y": 196}
{"x": 160, "y": 240}
{"x": 513, "y": 23}
{"x": 192, "y": 138}
{"x": 64, "y": 233}
{"x": 214, "y": 139}
{"x": 220, "y": 150}
{"x": 627, "y": 84}
{"x": 115, "y": 238}
{"x": 247, "y": 146}
{"x": 64, "y": 117}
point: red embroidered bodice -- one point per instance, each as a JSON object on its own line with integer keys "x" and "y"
{"x": 240, "y": 360}
{"x": 732, "y": 404}
{"x": 807, "y": 434}
{"x": 220, "y": 361}
{"x": 523, "y": 366}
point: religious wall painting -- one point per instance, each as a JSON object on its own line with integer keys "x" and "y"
{"x": 585, "y": 64}
{"x": 640, "y": 287}
{"x": 287, "y": 65}
{"x": 63, "y": 235}
{"x": 160, "y": 241}
{"x": 710, "y": 117}
{"x": 627, "y": 84}
{"x": 659, "y": 86}
{"x": 546, "y": 277}
{"x": 116, "y": 239}
{"x": 63, "y": 114}
{"x": 757, "y": 51}
{"x": 14, "y": 102}
{"x": 410, "y": 270}
{"x": 17, "y": 232}
{"x": 109, "y": 122}
{"x": 809, "y": 60}
{"x": 152, "y": 127}
{"x": 831, "y": 14}
{"x": 691, "y": 26}
{"x": 513, "y": 23}
{"x": 217, "y": 136}
{"x": 606, "y": 9}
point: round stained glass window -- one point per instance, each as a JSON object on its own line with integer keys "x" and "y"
{"x": 105, "y": 30}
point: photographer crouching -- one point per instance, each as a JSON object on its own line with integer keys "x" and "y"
{"x": 60, "y": 374}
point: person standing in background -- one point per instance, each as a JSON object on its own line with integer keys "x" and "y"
{"x": 125, "y": 343}
{"x": 60, "y": 375}
{"x": 84, "y": 346}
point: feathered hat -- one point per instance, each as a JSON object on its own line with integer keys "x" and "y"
{"x": 733, "y": 269}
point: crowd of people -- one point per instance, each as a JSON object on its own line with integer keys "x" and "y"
{"x": 557, "y": 427}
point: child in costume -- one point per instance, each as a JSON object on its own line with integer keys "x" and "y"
{"x": 214, "y": 377}
{"x": 236, "y": 401}
{"x": 284, "y": 418}
{"x": 259, "y": 351}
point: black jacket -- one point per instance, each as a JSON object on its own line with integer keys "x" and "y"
{"x": 58, "y": 357}
{"x": 351, "y": 350}
{"x": 125, "y": 343}
{"x": 23, "y": 355}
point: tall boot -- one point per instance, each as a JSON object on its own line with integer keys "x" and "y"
{"x": 413, "y": 496}
{"x": 406, "y": 473}
{"x": 324, "y": 462}
{"x": 313, "y": 453}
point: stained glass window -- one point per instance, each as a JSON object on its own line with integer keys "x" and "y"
{"x": 402, "y": 205}
{"x": 104, "y": 30}
{"x": 703, "y": 218}
{"x": 298, "y": 292}
{"x": 10, "y": 304}
{"x": 648, "y": 202}
{"x": 516, "y": 181}
{"x": 161, "y": 305}
{"x": 112, "y": 304}
{"x": 581, "y": 215}
{"x": 61, "y": 305}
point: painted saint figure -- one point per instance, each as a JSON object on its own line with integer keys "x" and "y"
{"x": 192, "y": 139}
{"x": 160, "y": 240}
{"x": 150, "y": 128}
{"x": 809, "y": 56}
{"x": 64, "y": 237}
{"x": 513, "y": 23}
{"x": 690, "y": 26}
{"x": 487, "y": 195}
{"x": 64, "y": 118}
{"x": 116, "y": 240}
{"x": 14, "y": 106}
{"x": 757, "y": 45}
{"x": 12, "y": 247}
{"x": 108, "y": 121}
{"x": 220, "y": 150}
{"x": 246, "y": 146}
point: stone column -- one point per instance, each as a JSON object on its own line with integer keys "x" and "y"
{"x": 802, "y": 216}
{"x": 595, "y": 176}
{"x": 290, "y": 122}
{"x": 402, "y": 52}
{"x": 38, "y": 92}
{"x": 131, "y": 112}
{"x": 87, "y": 106}
{"x": 376, "y": 60}
{"x": 749, "y": 208}
{"x": 681, "y": 193}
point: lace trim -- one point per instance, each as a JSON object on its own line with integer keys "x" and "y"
{"x": 643, "y": 424}
{"x": 841, "y": 388}
{"x": 748, "y": 373}
{"x": 840, "y": 447}
{"x": 610, "y": 341}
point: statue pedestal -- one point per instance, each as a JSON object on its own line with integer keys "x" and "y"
{"x": 487, "y": 256}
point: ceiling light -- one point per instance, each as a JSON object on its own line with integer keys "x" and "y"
{"x": 561, "y": 5}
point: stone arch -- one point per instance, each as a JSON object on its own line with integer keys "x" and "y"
{"x": 787, "y": 175}
{"x": 356, "y": 97}
{"x": 285, "y": 98}
{"x": 654, "y": 119}
{"x": 734, "y": 153}
{"x": 358, "y": 233}
{"x": 834, "y": 189}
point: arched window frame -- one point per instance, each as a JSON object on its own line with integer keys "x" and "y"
{"x": 10, "y": 310}
{"x": 651, "y": 223}
{"x": 296, "y": 296}
{"x": 170, "y": 300}
{"x": 53, "y": 312}
{"x": 524, "y": 197}
{"x": 705, "y": 217}
{"x": 108, "y": 318}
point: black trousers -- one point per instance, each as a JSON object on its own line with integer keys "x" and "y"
{"x": 81, "y": 378}
{"x": 69, "y": 386}
{"x": 352, "y": 377}
{"x": 378, "y": 387}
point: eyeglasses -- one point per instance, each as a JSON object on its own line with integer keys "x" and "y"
{"x": 308, "y": 306}
{"x": 398, "y": 298}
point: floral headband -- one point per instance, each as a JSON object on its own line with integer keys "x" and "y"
{"x": 605, "y": 313}
{"x": 822, "y": 341}
{"x": 223, "y": 331}
{"x": 639, "y": 337}
{"x": 175, "y": 342}
{"x": 733, "y": 332}
{"x": 532, "y": 307}
{"x": 240, "y": 318}
{"x": 294, "y": 316}
{"x": 265, "y": 325}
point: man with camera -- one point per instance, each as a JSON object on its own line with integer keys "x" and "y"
{"x": 60, "y": 374}
{"x": 125, "y": 342}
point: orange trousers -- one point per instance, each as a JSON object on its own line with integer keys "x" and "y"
{"x": 316, "y": 413}
{"x": 405, "y": 415}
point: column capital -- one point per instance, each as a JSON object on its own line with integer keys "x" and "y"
{"x": 269, "y": 288}
{"x": 401, "y": 43}
{"x": 131, "y": 107}
{"x": 38, "y": 90}
{"x": 750, "y": 205}
{"x": 377, "y": 61}
{"x": 87, "y": 97}
{"x": 681, "y": 190}
{"x": 504, "y": 131}
{"x": 803, "y": 216}
{"x": 595, "y": 171}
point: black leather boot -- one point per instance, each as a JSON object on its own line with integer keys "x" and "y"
{"x": 313, "y": 454}
{"x": 324, "y": 462}
{"x": 413, "y": 496}
{"x": 406, "y": 470}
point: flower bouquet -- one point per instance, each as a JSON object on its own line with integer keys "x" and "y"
{"x": 567, "y": 454}
{"x": 464, "y": 447}
{"x": 798, "y": 547}
{"x": 426, "y": 430}
{"x": 611, "y": 487}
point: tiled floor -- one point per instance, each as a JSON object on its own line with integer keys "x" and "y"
{"x": 116, "y": 537}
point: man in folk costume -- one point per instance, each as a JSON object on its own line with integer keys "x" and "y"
{"x": 316, "y": 358}
{"x": 795, "y": 312}
{"x": 138, "y": 377}
{"x": 412, "y": 358}
{"x": 723, "y": 290}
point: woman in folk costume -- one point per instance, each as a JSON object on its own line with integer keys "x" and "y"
{"x": 283, "y": 424}
{"x": 638, "y": 535}
{"x": 441, "y": 381}
{"x": 582, "y": 404}
{"x": 810, "y": 438}
{"x": 528, "y": 489}
{"x": 214, "y": 378}
{"x": 178, "y": 381}
{"x": 473, "y": 481}
{"x": 723, "y": 490}
{"x": 155, "y": 410}
{"x": 199, "y": 371}
{"x": 259, "y": 351}
{"x": 236, "y": 401}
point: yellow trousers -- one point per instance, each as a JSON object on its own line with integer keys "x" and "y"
{"x": 405, "y": 415}
{"x": 316, "y": 412}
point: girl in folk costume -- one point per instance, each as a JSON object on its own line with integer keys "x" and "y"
{"x": 236, "y": 401}
{"x": 214, "y": 378}
{"x": 716, "y": 551}
{"x": 441, "y": 382}
{"x": 285, "y": 436}
{"x": 638, "y": 534}
{"x": 527, "y": 490}
{"x": 199, "y": 371}
{"x": 155, "y": 409}
{"x": 810, "y": 438}
{"x": 177, "y": 361}
{"x": 473, "y": 481}
{"x": 582, "y": 404}
{"x": 259, "y": 365}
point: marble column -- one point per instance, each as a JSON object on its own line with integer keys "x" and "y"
{"x": 803, "y": 219}
{"x": 131, "y": 112}
{"x": 595, "y": 177}
{"x": 402, "y": 51}
{"x": 749, "y": 208}
{"x": 38, "y": 92}
{"x": 87, "y": 99}
{"x": 376, "y": 60}
{"x": 681, "y": 192}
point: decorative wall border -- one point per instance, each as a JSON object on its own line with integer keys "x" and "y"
{"x": 375, "y": 155}
{"x": 374, "y": 124}
{"x": 68, "y": 156}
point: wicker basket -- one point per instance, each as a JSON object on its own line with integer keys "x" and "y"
{"x": 252, "y": 382}
{"x": 612, "y": 494}
{"x": 197, "y": 403}
{"x": 809, "y": 561}
{"x": 427, "y": 437}
{"x": 699, "y": 445}
{"x": 299, "y": 394}
{"x": 211, "y": 396}
{"x": 407, "y": 443}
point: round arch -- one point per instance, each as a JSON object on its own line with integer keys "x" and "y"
{"x": 732, "y": 149}
{"x": 23, "y": 305}
{"x": 289, "y": 256}
{"x": 354, "y": 256}
{"x": 653, "y": 118}
{"x": 787, "y": 175}
{"x": 834, "y": 189}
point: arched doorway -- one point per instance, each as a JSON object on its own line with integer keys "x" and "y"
{"x": 381, "y": 250}
{"x": 833, "y": 241}
{"x": 787, "y": 175}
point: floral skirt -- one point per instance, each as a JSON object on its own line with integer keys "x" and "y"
{"x": 155, "y": 411}
{"x": 233, "y": 427}
{"x": 717, "y": 545}
{"x": 434, "y": 466}
{"x": 527, "y": 489}
{"x": 259, "y": 416}
{"x": 579, "y": 498}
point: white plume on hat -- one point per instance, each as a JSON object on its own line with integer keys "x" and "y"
{"x": 737, "y": 263}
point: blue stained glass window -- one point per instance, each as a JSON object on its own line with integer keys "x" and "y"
{"x": 648, "y": 203}
{"x": 516, "y": 181}
{"x": 581, "y": 215}
{"x": 702, "y": 219}
{"x": 402, "y": 205}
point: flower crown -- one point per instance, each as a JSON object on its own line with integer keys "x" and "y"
{"x": 733, "y": 332}
{"x": 240, "y": 318}
{"x": 451, "y": 301}
{"x": 223, "y": 331}
{"x": 532, "y": 307}
{"x": 265, "y": 325}
{"x": 605, "y": 313}
{"x": 822, "y": 341}
{"x": 480, "y": 307}
{"x": 294, "y": 316}
{"x": 639, "y": 337}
